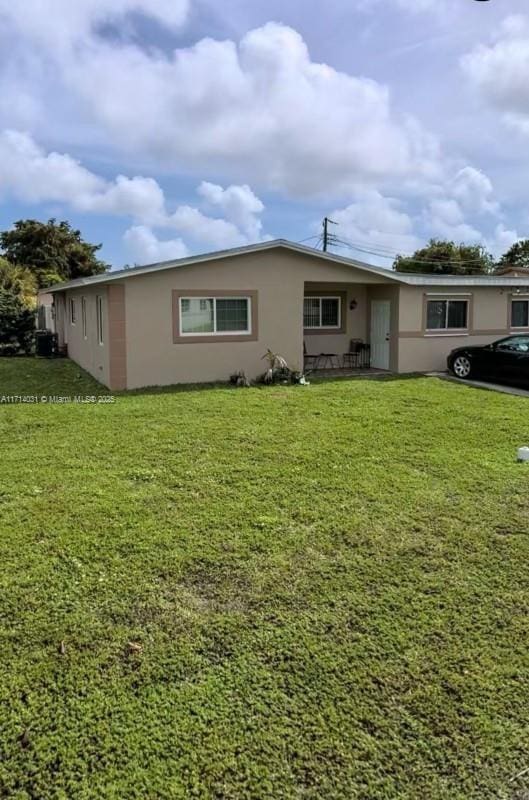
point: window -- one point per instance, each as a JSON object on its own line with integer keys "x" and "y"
{"x": 447, "y": 315}
{"x": 83, "y": 315}
{"x": 73, "y": 315}
{"x": 520, "y": 314}
{"x": 200, "y": 316}
{"x": 515, "y": 344}
{"x": 322, "y": 312}
{"x": 99, "y": 315}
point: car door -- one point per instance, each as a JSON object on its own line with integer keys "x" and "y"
{"x": 513, "y": 359}
{"x": 489, "y": 361}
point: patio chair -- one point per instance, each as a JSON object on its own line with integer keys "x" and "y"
{"x": 354, "y": 356}
{"x": 309, "y": 361}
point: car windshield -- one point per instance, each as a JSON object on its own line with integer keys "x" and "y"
{"x": 517, "y": 344}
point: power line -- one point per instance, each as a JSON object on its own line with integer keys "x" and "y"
{"x": 368, "y": 246}
{"x": 308, "y": 239}
{"x": 380, "y": 251}
{"x": 393, "y": 255}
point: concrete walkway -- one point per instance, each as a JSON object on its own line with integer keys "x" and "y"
{"x": 492, "y": 387}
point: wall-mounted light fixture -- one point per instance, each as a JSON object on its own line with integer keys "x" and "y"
{"x": 353, "y": 304}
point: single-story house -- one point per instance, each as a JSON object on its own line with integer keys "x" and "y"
{"x": 203, "y": 318}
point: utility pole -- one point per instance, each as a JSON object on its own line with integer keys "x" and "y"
{"x": 327, "y": 238}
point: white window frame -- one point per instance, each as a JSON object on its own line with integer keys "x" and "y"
{"x": 215, "y": 332}
{"x": 99, "y": 319}
{"x": 320, "y": 298}
{"x": 73, "y": 311}
{"x": 519, "y": 299}
{"x": 83, "y": 317}
{"x": 444, "y": 299}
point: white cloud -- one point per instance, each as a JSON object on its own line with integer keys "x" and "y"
{"x": 30, "y": 174}
{"x": 406, "y": 5}
{"x": 238, "y": 204}
{"x": 145, "y": 247}
{"x": 435, "y": 7}
{"x": 62, "y": 23}
{"x": 240, "y": 222}
{"x": 444, "y": 219}
{"x": 213, "y": 232}
{"x": 458, "y": 204}
{"x": 500, "y": 70}
{"x": 474, "y": 191}
{"x": 377, "y": 223}
{"x": 138, "y": 197}
{"x": 462, "y": 209}
{"x": 501, "y": 240}
{"x": 261, "y": 110}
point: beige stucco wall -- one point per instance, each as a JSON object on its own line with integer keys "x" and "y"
{"x": 87, "y": 352}
{"x": 420, "y": 351}
{"x": 429, "y": 354}
{"x": 278, "y": 276}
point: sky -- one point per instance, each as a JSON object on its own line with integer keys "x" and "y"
{"x": 163, "y": 128}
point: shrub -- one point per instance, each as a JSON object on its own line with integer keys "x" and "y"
{"x": 17, "y": 323}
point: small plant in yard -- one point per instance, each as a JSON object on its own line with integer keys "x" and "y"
{"x": 239, "y": 379}
{"x": 278, "y": 370}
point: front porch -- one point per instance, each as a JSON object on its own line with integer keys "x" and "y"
{"x": 347, "y": 328}
{"x": 358, "y": 357}
{"x": 345, "y": 372}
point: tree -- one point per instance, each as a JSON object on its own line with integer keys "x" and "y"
{"x": 52, "y": 251}
{"x": 17, "y": 308}
{"x": 19, "y": 280}
{"x": 516, "y": 256}
{"x": 447, "y": 258}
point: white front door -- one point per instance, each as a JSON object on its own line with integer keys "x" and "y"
{"x": 380, "y": 322}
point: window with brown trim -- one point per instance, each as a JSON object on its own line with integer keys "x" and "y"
{"x": 229, "y": 315}
{"x": 219, "y": 316}
{"x": 520, "y": 314}
{"x": 322, "y": 312}
{"x": 446, "y": 315}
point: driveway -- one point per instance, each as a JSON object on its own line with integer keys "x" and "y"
{"x": 493, "y": 387}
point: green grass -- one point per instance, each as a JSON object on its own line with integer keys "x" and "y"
{"x": 325, "y": 588}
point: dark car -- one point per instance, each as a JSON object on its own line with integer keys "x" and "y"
{"x": 505, "y": 360}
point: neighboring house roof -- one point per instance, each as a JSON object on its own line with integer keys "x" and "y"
{"x": 514, "y": 271}
{"x": 387, "y": 274}
{"x": 425, "y": 279}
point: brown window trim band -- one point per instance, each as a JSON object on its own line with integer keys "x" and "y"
{"x": 343, "y": 313}
{"x": 448, "y": 332}
{"x": 215, "y": 337}
{"x": 117, "y": 336}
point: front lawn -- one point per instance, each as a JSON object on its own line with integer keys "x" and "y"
{"x": 294, "y": 592}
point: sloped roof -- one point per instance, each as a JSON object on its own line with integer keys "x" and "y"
{"x": 386, "y": 274}
{"x": 215, "y": 256}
